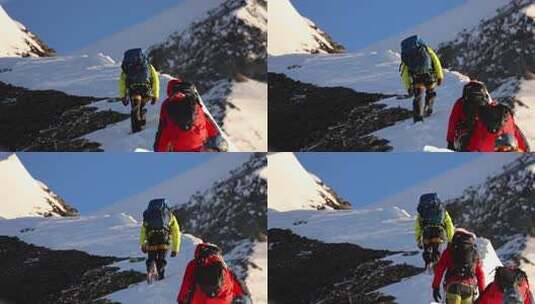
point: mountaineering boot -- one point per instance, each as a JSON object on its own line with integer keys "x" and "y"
{"x": 161, "y": 274}
{"x": 417, "y": 105}
{"x": 429, "y": 101}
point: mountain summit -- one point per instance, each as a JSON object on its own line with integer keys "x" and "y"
{"x": 18, "y": 41}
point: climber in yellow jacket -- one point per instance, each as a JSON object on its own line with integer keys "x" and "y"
{"x": 421, "y": 71}
{"x": 138, "y": 83}
{"x": 419, "y": 229}
{"x": 433, "y": 227}
{"x": 159, "y": 230}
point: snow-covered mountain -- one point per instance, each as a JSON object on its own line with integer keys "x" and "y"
{"x": 226, "y": 205}
{"x": 292, "y": 187}
{"x": 152, "y": 31}
{"x": 290, "y": 33}
{"x": 24, "y": 196}
{"x": 18, "y": 41}
{"x": 178, "y": 190}
{"x": 451, "y": 183}
{"x": 440, "y": 28}
{"x": 493, "y": 43}
{"x": 502, "y": 209}
{"x": 233, "y": 214}
{"x": 495, "y": 202}
{"x": 234, "y": 92}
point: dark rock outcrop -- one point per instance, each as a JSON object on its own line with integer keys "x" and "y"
{"x": 308, "y": 271}
{"x": 304, "y": 117}
{"x": 49, "y": 120}
{"x": 497, "y": 49}
{"x": 32, "y": 274}
{"x": 219, "y": 47}
{"x": 232, "y": 210}
{"x": 501, "y": 209}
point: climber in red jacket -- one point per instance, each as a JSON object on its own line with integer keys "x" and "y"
{"x": 463, "y": 268}
{"x": 510, "y": 286}
{"x": 479, "y": 124}
{"x": 184, "y": 126}
{"x": 208, "y": 280}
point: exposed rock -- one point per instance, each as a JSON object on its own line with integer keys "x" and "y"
{"x": 32, "y": 274}
{"x": 497, "y": 49}
{"x": 304, "y": 117}
{"x": 224, "y": 45}
{"x": 501, "y": 209}
{"x": 308, "y": 271}
{"x": 49, "y": 120}
{"x": 233, "y": 212}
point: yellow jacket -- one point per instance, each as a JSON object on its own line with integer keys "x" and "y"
{"x": 437, "y": 66}
{"x": 174, "y": 229}
{"x": 448, "y": 226}
{"x": 155, "y": 80}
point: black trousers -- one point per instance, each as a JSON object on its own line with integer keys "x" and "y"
{"x": 431, "y": 253}
{"x": 159, "y": 258}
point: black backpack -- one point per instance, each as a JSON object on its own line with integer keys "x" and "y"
{"x": 156, "y": 219}
{"x": 509, "y": 280}
{"x": 464, "y": 253}
{"x": 136, "y": 67}
{"x": 209, "y": 277}
{"x": 184, "y": 113}
{"x": 494, "y": 117}
{"x": 431, "y": 210}
{"x": 415, "y": 56}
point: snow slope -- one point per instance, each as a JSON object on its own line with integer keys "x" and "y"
{"x": 441, "y": 28}
{"x": 116, "y": 235}
{"x": 246, "y": 123}
{"x": 16, "y": 40}
{"x": 451, "y": 183}
{"x": 22, "y": 195}
{"x": 291, "y": 187}
{"x": 179, "y": 189}
{"x": 97, "y": 75}
{"x": 389, "y": 228}
{"x": 377, "y": 72}
{"x": 152, "y": 31}
{"x": 289, "y": 32}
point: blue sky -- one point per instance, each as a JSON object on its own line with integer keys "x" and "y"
{"x": 358, "y": 23}
{"x": 90, "y": 181}
{"x": 67, "y": 25}
{"x": 367, "y": 177}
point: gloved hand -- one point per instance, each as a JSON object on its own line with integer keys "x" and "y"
{"x": 124, "y": 100}
{"x": 451, "y": 146}
{"x": 419, "y": 244}
{"x": 436, "y": 294}
{"x": 410, "y": 91}
{"x": 173, "y": 254}
{"x": 439, "y": 81}
{"x": 153, "y": 100}
{"x": 144, "y": 248}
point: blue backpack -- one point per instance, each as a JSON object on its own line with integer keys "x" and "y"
{"x": 136, "y": 67}
{"x": 157, "y": 216}
{"x": 431, "y": 209}
{"x": 415, "y": 56}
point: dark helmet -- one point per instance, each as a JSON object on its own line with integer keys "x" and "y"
{"x": 506, "y": 143}
{"x": 475, "y": 92}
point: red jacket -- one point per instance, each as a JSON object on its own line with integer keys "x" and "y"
{"x": 482, "y": 140}
{"x": 446, "y": 262}
{"x": 493, "y": 294}
{"x": 230, "y": 289}
{"x": 172, "y": 138}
